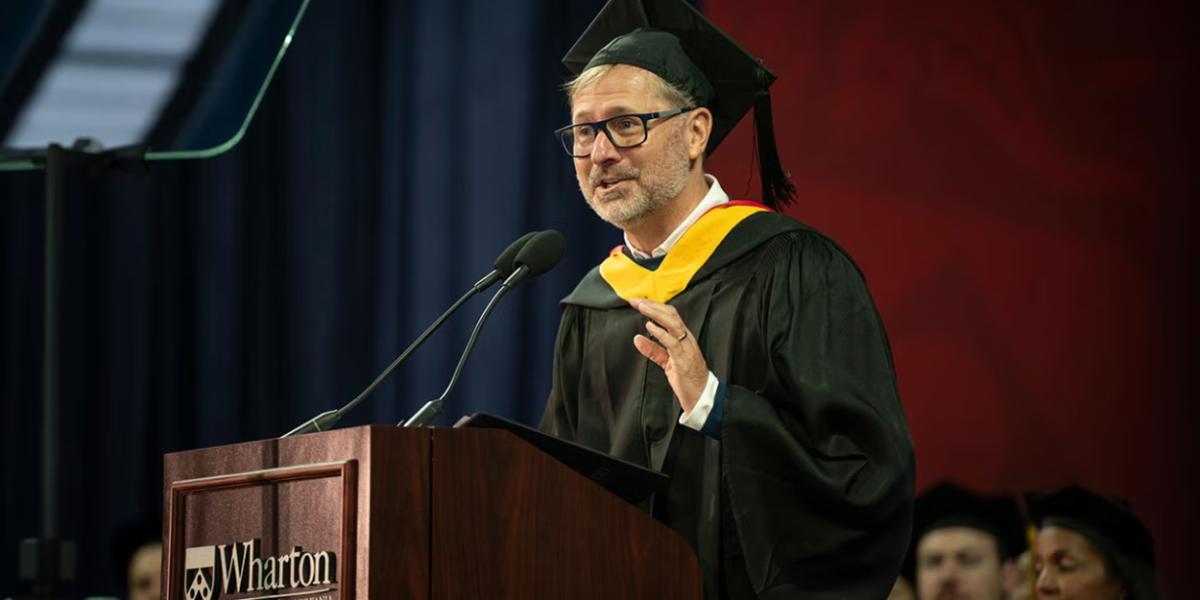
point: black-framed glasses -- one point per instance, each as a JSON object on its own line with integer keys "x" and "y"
{"x": 624, "y": 131}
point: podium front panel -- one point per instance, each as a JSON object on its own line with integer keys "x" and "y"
{"x": 264, "y": 533}
{"x": 382, "y": 512}
{"x": 296, "y": 518}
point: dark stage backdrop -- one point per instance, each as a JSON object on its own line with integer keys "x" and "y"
{"x": 1014, "y": 179}
{"x": 403, "y": 145}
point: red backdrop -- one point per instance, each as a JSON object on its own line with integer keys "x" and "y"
{"x": 1016, "y": 181}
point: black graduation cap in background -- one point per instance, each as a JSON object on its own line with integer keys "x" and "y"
{"x": 1108, "y": 523}
{"x": 705, "y": 62}
{"x": 950, "y": 505}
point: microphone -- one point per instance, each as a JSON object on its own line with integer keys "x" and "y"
{"x": 504, "y": 267}
{"x": 504, "y": 263}
{"x": 543, "y": 251}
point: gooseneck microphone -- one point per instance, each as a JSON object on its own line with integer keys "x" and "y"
{"x": 504, "y": 269}
{"x": 542, "y": 252}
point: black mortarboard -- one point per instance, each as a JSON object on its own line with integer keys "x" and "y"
{"x": 673, "y": 40}
{"x": 950, "y": 505}
{"x": 1108, "y": 523}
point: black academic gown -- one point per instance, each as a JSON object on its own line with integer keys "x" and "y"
{"x": 808, "y": 492}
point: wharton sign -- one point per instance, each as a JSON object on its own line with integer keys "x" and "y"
{"x": 263, "y": 534}
{"x": 240, "y": 570}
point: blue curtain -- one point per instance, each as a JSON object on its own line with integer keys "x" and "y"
{"x": 401, "y": 147}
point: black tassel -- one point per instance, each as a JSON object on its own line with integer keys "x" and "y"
{"x": 778, "y": 192}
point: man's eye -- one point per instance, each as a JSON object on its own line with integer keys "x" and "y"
{"x": 585, "y": 131}
{"x": 627, "y": 123}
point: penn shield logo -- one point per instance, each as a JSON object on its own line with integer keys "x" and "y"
{"x": 198, "y": 573}
{"x": 239, "y": 570}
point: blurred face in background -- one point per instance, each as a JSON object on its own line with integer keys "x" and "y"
{"x": 901, "y": 590}
{"x": 1068, "y": 566}
{"x": 958, "y": 563}
{"x": 1022, "y": 588}
{"x": 145, "y": 570}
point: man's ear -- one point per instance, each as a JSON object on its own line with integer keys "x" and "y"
{"x": 700, "y": 122}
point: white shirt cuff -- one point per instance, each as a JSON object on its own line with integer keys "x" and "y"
{"x": 695, "y": 418}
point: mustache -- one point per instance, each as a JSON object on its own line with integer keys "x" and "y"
{"x": 621, "y": 172}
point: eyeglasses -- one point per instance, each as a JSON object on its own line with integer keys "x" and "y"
{"x": 624, "y": 131}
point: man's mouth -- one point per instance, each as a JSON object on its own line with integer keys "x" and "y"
{"x": 608, "y": 183}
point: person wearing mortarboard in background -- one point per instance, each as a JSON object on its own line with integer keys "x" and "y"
{"x": 724, "y": 344}
{"x": 902, "y": 590}
{"x": 1090, "y": 546}
{"x": 1025, "y": 591}
{"x": 137, "y": 555}
{"x": 965, "y": 545}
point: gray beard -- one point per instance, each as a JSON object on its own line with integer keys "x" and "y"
{"x": 654, "y": 187}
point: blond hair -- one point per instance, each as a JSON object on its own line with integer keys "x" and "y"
{"x": 672, "y": 94}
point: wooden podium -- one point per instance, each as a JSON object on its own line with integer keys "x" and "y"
{"x": 384, "y": 512}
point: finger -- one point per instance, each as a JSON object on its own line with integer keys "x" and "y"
{"x": 665, "y": 337}
{"x": 651, "y": 350}
{"x": 678, "y": 338}
{"x": 664, "y": 314}
{"x": 666, "y": 317}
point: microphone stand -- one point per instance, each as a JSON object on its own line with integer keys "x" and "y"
{"x": 329, "y": 418}
{"x": 433, "y": 408}
{"x": 49, "y": 560}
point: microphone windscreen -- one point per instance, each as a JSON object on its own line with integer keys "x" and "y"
{"x": 542, "y": 252}
{"x": 504, "y": 262}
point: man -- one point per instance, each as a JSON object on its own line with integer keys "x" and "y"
{"x": 902, "y": 590}
{"x": 1089, "y": 546}
{"x": 966, "y": 545}
{"x": 726, "y": 345}
{"x": 137, "y": 551}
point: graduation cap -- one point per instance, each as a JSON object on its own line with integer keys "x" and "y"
{"x": 950, "y": 505}
{"x": 1108, "y": 523}
{"x": 673, "y": 40}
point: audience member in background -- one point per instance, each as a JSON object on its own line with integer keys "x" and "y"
{"x": 1089, "y": 546}
{"x": 901, "y": 590}
{"x": 138, "y": 555}
{"x": 1024, "y": 591}
{"x": 965, "y": 545}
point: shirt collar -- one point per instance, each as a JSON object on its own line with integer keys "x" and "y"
{"x": 715, "y": 196}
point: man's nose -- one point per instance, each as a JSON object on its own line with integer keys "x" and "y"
{"x": 948, "y": 577}
{"x": 1047, "y": 585}
{"x": 603, "y": 150}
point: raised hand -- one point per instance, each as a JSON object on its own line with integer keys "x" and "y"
{"x": 674, "y": 349}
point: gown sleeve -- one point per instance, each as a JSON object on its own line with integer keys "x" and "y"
{"x": 818, "y": 463}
